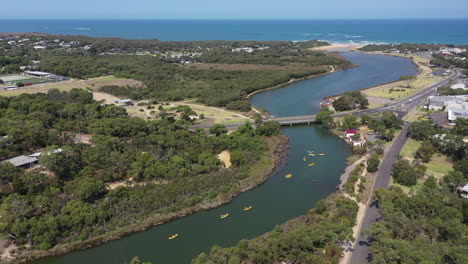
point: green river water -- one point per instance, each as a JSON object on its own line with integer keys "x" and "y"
{"x": 275, "y": 201}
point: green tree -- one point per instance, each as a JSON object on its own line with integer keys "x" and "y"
{"x": 461, "y": 127}
{"x": 350, "y": 121}
{"x": 404, "y": 173}
{"x": 373, "y": 163}
{"x": 422, "y": 130}
{"x": 268, "y": 128}
{"x": 425, "y": 153}
{"x": 218, "y": 130}
{"x": 325, "y": 117}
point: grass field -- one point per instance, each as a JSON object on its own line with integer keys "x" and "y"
{"x": 410, "y": 148}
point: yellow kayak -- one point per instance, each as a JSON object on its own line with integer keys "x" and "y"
{"x": 173, "y": 236}
{"x": 247, "y": 208}
{"x": 223, "y": 216}
{"x": 288, "y": 176}
{"x": 304, "y": 159}
{"x": 312, "y": 164}
{"x": 312, "y": 154}
{"x": 321, "y": 154}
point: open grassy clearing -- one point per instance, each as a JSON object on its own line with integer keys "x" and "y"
{"x": 94, "y": 84}
{"x": 438, "y": 167}
{"x": 375, "y": 105}
{"x": 213, "y": 115}
{"x": 399, "y": 90}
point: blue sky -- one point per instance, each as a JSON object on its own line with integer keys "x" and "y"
{"x": 234, "y": 9}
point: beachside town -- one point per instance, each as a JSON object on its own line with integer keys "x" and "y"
{"x": 374, "y": 121}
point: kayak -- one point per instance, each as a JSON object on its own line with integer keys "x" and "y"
{"x": 312, "y": 164}
{"x": 223, "y": 216}
{"x": 312, "y": 154}
{"x": 173, "y": 236}
{"x": 304, "y": 158}
{"x": 247, "y": 208}
{"x": 321, "y": 154}
{"x": 288, "y": 176}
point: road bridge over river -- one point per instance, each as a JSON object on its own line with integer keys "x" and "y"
{"x": 400, "y": 107}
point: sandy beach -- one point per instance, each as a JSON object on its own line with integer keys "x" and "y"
{"x": 338, "y": 46}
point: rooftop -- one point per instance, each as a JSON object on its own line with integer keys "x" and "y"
{"x": 21, "y": 160}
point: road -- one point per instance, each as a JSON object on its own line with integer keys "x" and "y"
{"x": 360, "y": 252}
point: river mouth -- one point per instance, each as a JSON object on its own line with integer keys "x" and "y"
{"x": 278, "y": 199}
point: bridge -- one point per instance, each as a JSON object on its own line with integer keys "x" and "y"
{"x": 309, "y": 119}
{"x": 294, "y": 120}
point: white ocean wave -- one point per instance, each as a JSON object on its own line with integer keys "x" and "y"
{"x": 83, "y": 28}
{"x": 353, "y": 36}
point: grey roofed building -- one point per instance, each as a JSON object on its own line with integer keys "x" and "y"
{"x": 439, "y": 102}
{"x": 455, "y": 113}
{"x": 37, "y": 73}
{"x": 57, "y": 77}
{"x": 23, "y": 161}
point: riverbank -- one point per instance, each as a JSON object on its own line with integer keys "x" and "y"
{"x": 333, "y": 69}
{"x": 293, "y": 80}
{"x": 270, "y": 161}
{"x": 368, "y": 91}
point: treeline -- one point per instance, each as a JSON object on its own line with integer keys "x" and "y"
{"x": 429, "y": 227}
{"x": 440, "y": 60}
{"x": 168, "y": 81}
{"x": 312, "y": 238}
{"x": 67, "y": 198}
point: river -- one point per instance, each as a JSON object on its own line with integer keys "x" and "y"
{"x": 278, "y": 199}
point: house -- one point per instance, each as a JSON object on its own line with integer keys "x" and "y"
{"x": 23, "y": 161}
{"x": 464, "y": 191}
{"x": 358, "y": 143}
{"x": 349, "y": 133}
{"x": 40, "y": 47}
{"x": 123, "y": 102}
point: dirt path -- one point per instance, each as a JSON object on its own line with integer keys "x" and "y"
{"x": 108, "y": 98}
{"x": 225, "y": 157}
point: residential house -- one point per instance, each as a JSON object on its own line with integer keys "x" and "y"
{"x": 463, "y": 191}
{"x": 349, "y": 133}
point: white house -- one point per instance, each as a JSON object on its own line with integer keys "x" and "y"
{"x": 349, "y": 133}
{"x": 464, "y": 191}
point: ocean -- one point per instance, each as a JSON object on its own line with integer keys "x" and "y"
{"x": 335, "y": 31}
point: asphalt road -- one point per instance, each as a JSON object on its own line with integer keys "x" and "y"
{"x": 360, "y": 252}
{"x": 361, "y": 249}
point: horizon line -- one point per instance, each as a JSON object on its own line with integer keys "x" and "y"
{"x": 292, "y": 19}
